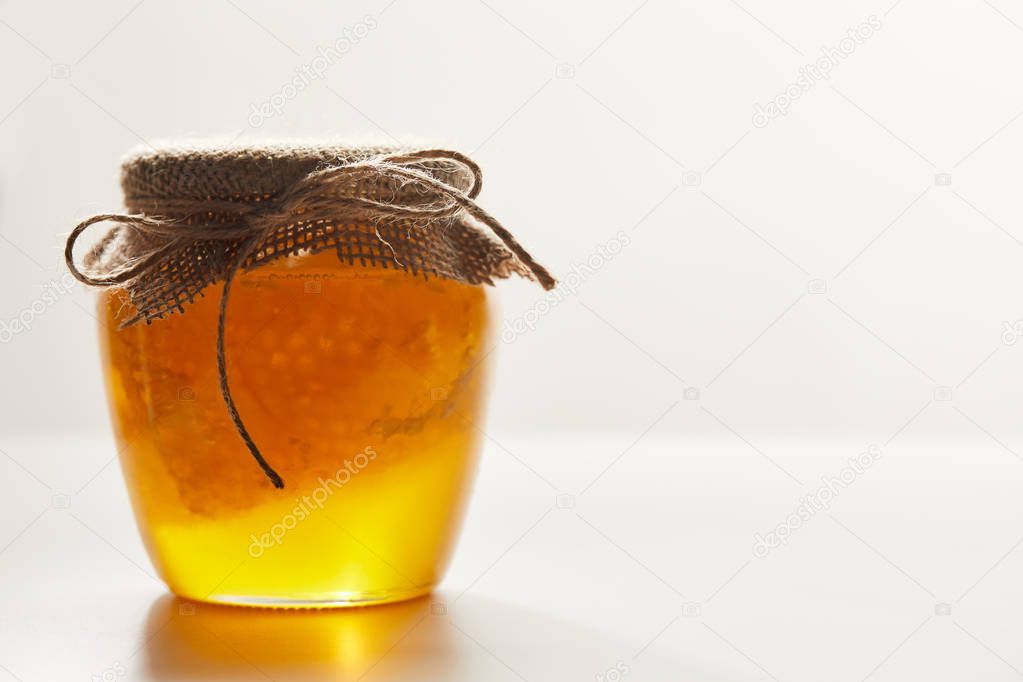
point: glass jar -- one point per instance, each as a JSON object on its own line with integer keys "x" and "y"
{"x": 362, "y": 387}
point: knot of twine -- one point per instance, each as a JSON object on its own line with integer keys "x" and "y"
{"x": 351, "y": 191}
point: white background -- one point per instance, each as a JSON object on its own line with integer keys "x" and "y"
{"x": 848, "y": 275}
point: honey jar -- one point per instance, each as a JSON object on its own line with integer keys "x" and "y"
{"x": 346, "y": 352}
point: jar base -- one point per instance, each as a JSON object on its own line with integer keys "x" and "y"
{"x": 324, "y": 601}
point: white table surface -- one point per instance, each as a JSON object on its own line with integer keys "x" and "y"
{"x": 644, "y": 572}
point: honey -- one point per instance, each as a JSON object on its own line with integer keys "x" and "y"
{"x": 363, "y": 387}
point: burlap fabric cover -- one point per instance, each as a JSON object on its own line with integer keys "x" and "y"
{"x": 375, "y": 206}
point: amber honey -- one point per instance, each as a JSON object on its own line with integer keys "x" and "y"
{"x": 363, "y": 388}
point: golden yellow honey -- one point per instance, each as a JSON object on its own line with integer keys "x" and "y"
{"x": 363, "y": 387}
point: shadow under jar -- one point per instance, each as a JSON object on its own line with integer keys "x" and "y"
{"x": 362, "y": 385}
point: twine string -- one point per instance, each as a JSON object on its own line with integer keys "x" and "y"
{"x": 329, "y": 193}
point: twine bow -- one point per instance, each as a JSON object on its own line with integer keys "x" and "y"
{"x": 352, "y": 191}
